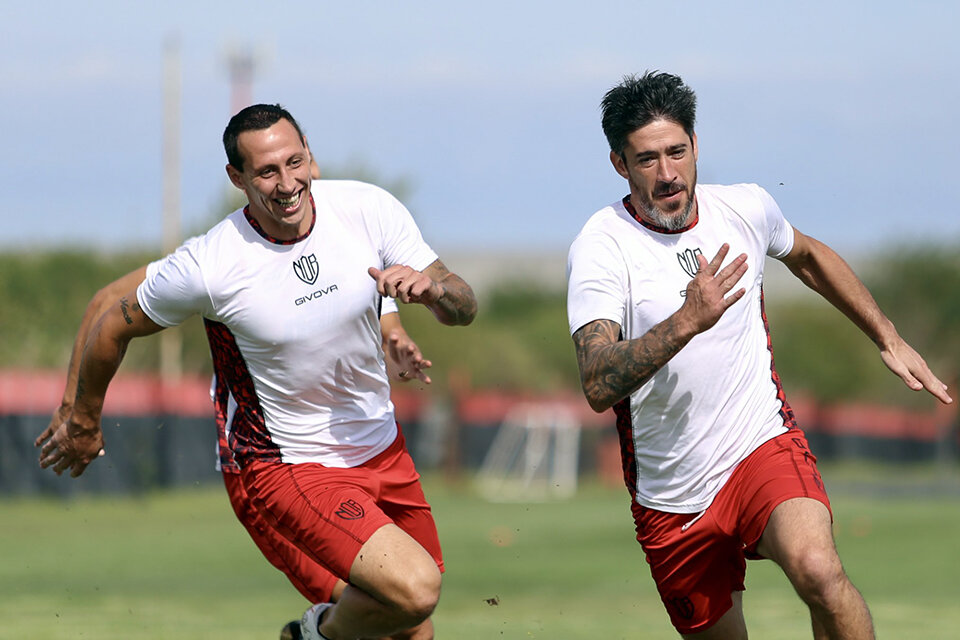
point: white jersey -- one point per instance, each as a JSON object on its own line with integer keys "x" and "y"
{"x": 294, "y": 325}
{"x": 683, "y": 431}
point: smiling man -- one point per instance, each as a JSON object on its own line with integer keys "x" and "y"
{"x": 289, "y": 288}
{"x": 672, "y": 335}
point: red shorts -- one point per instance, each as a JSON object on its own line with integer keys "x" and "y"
{"x": 313, "y": 581}
{"x": 329, "y": 513}
{"x": 699, "y": 560}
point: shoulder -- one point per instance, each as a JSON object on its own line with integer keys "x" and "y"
{"x": 734, "y": 195}
{"x": 611, "y": 221}
{"x": 602, "y": 233}
{"x": 349, "y": 192}
{"x": 747, "y": 201}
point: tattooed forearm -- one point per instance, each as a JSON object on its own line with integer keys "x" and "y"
{"x": 611, "y": 369}
{"x": 456, "y": 305}
{"x": 81, "y": 387}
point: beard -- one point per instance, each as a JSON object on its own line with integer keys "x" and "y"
{"x": 669, "y": 221}
{"x": 676, "y": 220}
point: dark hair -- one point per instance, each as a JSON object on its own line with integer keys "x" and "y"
{"x": 253, "y": 118}
{"x": 636, "y": 102}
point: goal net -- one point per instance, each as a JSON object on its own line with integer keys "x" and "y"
{"x": 534, "y": 456}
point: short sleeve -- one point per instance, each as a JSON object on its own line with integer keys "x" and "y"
{"x": 174, "y": 288}
{"x": 596, "y": 281}
{"x": 388, "y": 305}
{"x": 402, "y": 241}
{"x": 779, "y": 231}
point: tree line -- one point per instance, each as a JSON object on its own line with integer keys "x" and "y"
{"x": 520, "y": 340}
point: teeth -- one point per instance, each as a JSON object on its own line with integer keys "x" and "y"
{"x": 286, "y": 202}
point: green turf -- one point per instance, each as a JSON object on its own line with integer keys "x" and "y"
{"x": 178, "y": 565}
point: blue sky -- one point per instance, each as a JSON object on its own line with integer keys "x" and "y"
{"x": 846, "y": 111}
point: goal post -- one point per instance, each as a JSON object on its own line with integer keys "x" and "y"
{"x": 534, "y": 455}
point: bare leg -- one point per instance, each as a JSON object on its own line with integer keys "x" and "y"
{"x": 799, "y": 538}
{"x": 394, "y": 587}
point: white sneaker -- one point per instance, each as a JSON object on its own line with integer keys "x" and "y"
{"x": 311, "y": 620}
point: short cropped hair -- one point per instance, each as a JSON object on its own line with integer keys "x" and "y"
{"x": 636, "y": 102}
{"x": 253, "y": 118}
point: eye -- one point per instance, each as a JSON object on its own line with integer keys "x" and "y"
{"x": 679, "y": 153}
{"x": 266, "y": 173}
{"x": 296, "y": 162}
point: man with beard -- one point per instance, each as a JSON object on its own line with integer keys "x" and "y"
{"x": 673, "y": 336}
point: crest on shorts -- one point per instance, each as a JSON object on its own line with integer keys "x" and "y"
{"x": 306, "y": 268}
{"x": 682, "y": 606}
{"x": 350, "y": 510}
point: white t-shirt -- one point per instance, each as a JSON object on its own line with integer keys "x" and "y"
{"x": 294, "y": 326}
{"x": 683, "y": 431}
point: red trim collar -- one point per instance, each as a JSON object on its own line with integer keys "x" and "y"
{"x": 266, "y": 236}
{"x": 636, "y": 216}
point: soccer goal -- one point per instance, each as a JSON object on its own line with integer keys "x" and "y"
{"x": 534, "y": 456}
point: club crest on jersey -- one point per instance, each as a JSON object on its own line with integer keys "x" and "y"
{"x": 688, "y": 260}
{"x": 306, "y": 268}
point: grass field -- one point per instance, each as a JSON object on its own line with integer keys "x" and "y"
{"x": 178, "y": 565}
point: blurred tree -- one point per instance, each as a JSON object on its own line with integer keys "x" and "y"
{"x": 819, "y": 351}
{"x": 919, "y": 289}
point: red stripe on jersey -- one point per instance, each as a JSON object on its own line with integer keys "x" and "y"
{"x": 786, "y": 412}
{"x": 628, "y": 453}
{"x": 221, "y": 399}
{"x": 249, "y": 438}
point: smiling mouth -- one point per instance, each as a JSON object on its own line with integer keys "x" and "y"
{"x": 290, "y": 204}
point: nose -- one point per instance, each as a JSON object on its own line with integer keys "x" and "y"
{"x": 666, "y": 172}
{"x": 288, "y": 182}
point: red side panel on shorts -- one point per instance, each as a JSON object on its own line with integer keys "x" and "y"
{"x": 248, "y": 438}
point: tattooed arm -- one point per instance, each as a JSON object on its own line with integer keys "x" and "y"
{"x": 445, "y": 293}
{"x": 78, "y": 440}
{"x": 611, "y": 369}
{"x": 107, "y": 296}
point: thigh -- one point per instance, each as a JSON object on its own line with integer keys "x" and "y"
{"x": 695, "y": 564}
{"x": 401, "y": 498}
{"x": 781, "y": 470}
{"x": 312, "y": 580}
{"x": 326, "y": 513}
{"x": 800, "y": 530}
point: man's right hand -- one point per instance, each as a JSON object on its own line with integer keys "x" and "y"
{"x": 59, "y": 417}
{"x": 71, "y": 447}
{"x": 707, "y": 298}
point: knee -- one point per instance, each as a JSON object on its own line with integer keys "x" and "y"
{"x": 418, "y": 594}
{"x": 818, "y": 576}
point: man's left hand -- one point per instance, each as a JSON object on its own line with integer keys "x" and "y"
{"x": 406, "y": 284}
{"x": 904, "y": 361}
